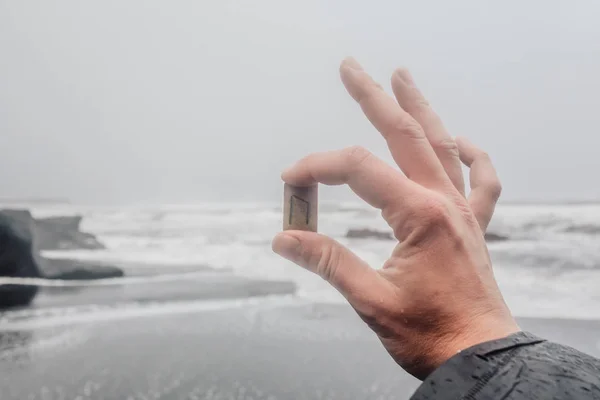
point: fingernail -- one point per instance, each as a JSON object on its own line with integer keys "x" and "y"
{"x": 404, "y": 75}
{"x": 351, "y": 63}
{"x": 286, "y": 246}
{"x": 399, "y": 75}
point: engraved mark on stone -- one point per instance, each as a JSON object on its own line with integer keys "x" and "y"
{"x": 301, "y": 206}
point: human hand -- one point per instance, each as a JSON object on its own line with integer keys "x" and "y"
{"x": 436, "y": 294}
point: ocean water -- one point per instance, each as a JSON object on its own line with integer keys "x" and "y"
{"x": 550, "y": 267}
{"x": 206, "y": 310}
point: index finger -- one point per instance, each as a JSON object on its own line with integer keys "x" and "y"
{"x": 373, "y": 180}
{"x": 405, "y": 137}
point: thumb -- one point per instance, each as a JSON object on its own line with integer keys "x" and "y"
{"x": 339, "y": 266}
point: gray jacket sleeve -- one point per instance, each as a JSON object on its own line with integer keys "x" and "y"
{"x": 520, "y": 366}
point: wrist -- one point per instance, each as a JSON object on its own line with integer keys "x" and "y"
{"x": 484, "y": 329}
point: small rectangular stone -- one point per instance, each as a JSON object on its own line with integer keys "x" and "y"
{"x": 300, "y": 207}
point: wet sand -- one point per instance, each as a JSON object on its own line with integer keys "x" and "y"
{"x": 261, "y": 351}
{"x": 206, "y": 285}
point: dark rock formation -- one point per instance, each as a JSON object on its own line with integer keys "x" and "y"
{"x": 369, "y": 234}
{"x": 22, "y": 238}
{"x": 494, "y": 237}
{"x": 17, "y": 257}
{"x": 374, "y": 234}
{"x": 586, "y": 229}
{"x": 78, "y": 270}
{"x": 62, "y": 233}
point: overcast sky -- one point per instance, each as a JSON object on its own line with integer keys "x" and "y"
{"x": 182, "y": 101}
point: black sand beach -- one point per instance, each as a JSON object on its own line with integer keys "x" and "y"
{"x": 260, "y": 351}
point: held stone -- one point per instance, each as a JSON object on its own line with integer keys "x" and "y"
{"x": 300, "y": 208}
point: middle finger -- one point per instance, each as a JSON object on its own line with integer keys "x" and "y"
{"x": 412, "y": 101}
{"x": 405, "y": 137}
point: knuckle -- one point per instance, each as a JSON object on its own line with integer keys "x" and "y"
{"x": 356, "y": 155}
{"x": 433, "y": 223}
{"x": 434, "y": 211}
{"x": 419, "y": 103}
{"x": 426, "y": 215}
{"x": 396, "y": 218}
{"x": 495, "y": 189}
{"x": 327, "y": 261}
{"x": 410, "y": 128}
{"x": 446, "y": 145}
{"x": 367, "y": 91}
{"x": 377, "y": 86}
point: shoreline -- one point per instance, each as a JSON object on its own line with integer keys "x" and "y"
{"x": 266, "y": 350}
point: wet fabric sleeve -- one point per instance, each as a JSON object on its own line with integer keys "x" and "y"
{"x": 520, "y": 366}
